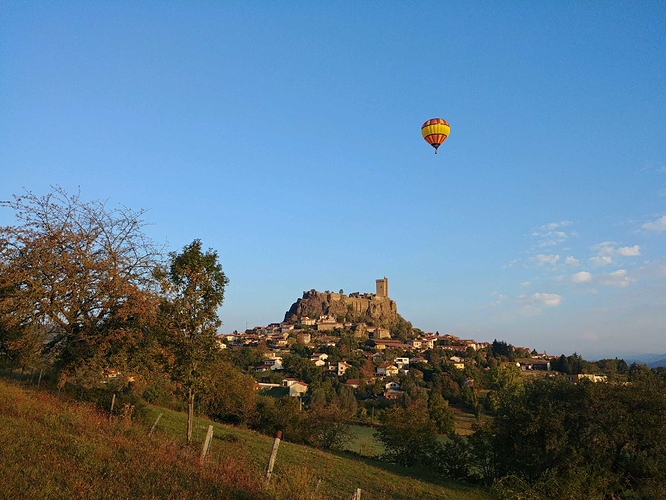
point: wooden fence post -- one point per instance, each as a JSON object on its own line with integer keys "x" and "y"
{"x": 41, "y": 372}
{"x": 271, "y": 460}
{"x": 207, "y": 444}
{"x": 152, "y": 429}
{"x": 357, "y": 494}
{"x": 113, "y": 402}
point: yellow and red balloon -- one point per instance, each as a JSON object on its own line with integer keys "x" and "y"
{"x": 435, "y": 132}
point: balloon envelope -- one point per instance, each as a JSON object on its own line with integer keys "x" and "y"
{"x": 435, "y": 132}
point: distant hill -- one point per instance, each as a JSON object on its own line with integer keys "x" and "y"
{"x": 658, "y": 363}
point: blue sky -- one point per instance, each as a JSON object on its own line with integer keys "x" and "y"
{"x": 286, "y": 136}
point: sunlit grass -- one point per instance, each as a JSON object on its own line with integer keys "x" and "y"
{"x": 52, "y": 448}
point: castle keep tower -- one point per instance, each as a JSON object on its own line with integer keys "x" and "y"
{"x": 382, "y": 287}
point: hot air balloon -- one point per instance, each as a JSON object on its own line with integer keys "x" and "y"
{"x": 435, "y": 132}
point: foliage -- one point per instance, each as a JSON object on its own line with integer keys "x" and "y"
{"x": 327, "y": 427}
{"x": 608, "y": 438}
{"x": 192, "y": 290}
{"x": 441, "y": 414}
{"x": 229, "y": 395}
{"x": 500, "y": 349}
{"x": 408, "y": 435}
{"x": 80, "y": 273}
{"x": 279, "y": 415}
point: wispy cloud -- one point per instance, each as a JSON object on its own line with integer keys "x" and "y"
{"x": 658, "y": 225}
{"x": 548, "y": 299}
{"x": 571, "y": 261}
{"x": 545, "y": 299}
{"x": 551, "y": 234}
{"x": 545, "y": 260}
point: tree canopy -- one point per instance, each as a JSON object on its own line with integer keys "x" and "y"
{"x": 81, "y": 274}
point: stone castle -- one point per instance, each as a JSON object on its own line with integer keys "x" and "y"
{"x": 375, "y": 308}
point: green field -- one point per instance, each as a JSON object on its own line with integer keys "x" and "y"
{"x": 53, "y": 448}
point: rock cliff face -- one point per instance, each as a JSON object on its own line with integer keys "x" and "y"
{"x": 356, "y": 308}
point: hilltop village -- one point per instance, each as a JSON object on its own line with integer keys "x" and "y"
{"x": 360, "y": 341}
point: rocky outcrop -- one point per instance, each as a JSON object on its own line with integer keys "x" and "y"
{"x": 355, "y": 308}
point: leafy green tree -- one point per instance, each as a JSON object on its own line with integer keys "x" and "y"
{"x": 500, "y": 349}
{"x": 280, "y": 415}
{"x": 193, "y": 290}
{"x": 455, "y": 459}
{"x": 408, "y": 435}
{"x": 229, "y": 395}
{"x": 598, "y": 440}
{"x": 441, "y": 414}
{"x": 327, "y": 426}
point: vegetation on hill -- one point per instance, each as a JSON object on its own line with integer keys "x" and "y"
{"x": 58, "y": 448}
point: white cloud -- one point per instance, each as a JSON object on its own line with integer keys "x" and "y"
{"x": 601, "y": 261}
{"x": 543, "y": 259}
{"x": 547, "y": 299}
{"x": 658, "y": 225}
{"x": 618, "y": 278}
{"x": 525, "y": 284}
{"x": 607, "y": 250}
{"x": 629, "y": 251}
{"x": 554, "y": 225}
{"x": 571, "y": 261}
{"x": 581, "y": 277}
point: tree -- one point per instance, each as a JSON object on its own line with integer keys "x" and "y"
{"x": 229, "y": 396}
{"x": 193, "y": 290}
{"x": 597, "y": 440}
{"x": 81, "y": 273}
{"x": 441, "y": 414}
{"x": 408, "y": 435}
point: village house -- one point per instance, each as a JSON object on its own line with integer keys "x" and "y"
{"x": 297, "y": 389}
{"x": 339, "y": 367}
{"x": 535, "y": 365}
{"x": 327, "y": 323}
{"x": 387, "y": 370}
{"x": 392, "y": 394}
{"x": 304, "y": 338}
{"x": 387, "y": 343}
{"x": 353, "y": 382}
{"x": 376, "y": 332}
{"x": 469, "y": 343}
{"x": 319, "y": 359}
{"x": 457, "y": 362}
{"x": 401, "y": 363}
{"x": 275, "y": 362}
{"x": 305, "y": 321}
{"x": 416, "y": 343}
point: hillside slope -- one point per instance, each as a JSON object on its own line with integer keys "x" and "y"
{"x": 57, "y": 449}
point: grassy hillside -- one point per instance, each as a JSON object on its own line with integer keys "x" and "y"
{"x": 57, "y": 449}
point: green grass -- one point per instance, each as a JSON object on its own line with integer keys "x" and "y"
{"x": 363, "y": 441}
{"x": 52, "y": 448}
